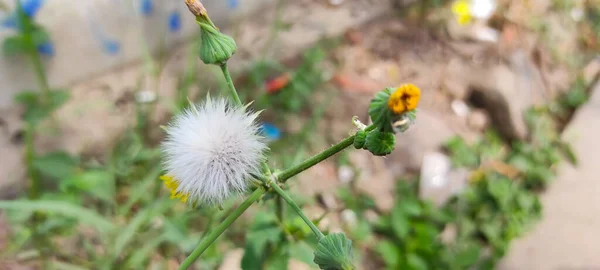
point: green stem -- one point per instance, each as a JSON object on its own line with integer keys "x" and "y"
{"x": 279, "y": 209}
{"x": 33, "y": 191}
{"x": 217, "y": 231}
{"x": 230, "y": 85}
{"x": 31, "y": 48}
{"x": 296, "y": 208}
{"x": 286, "y": 174}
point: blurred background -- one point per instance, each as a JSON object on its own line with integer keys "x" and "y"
{"x": 498, "y": 171}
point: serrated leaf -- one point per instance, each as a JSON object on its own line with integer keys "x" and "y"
{"x": 334, "y": 252}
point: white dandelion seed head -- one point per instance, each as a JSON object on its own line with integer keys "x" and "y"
{"x": 211, "y": 150}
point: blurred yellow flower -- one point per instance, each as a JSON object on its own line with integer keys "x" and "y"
{"x": 172, "y": 186}
{"x": 462, "y": 11}
{"x": 405, "y": 98}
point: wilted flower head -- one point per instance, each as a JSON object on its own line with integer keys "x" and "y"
{"x": 211, "y": 150}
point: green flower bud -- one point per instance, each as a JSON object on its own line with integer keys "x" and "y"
{"x": 216, "y": 47}
{"x": 380, "y": 143}
{"x": 359, "y": 139}
{"x": 334, "y": 252}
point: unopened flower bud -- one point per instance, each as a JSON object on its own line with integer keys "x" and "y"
{"x": 216, "y": 47}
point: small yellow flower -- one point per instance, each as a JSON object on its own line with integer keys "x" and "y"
{"x": 462, "y": 11}
{"x": 405, "y": 98}
{"x": 172, "y": 185}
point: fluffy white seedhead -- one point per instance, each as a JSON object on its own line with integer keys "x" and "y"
{"x": 211, "y": 149}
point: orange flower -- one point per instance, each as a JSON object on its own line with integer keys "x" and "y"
{"x": 405, "y": 98}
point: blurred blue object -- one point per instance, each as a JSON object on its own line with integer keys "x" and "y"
{"x": 270, "y": 131}
{"x": 30, "y": 8}
{"x": 233, "y": 3}
{"x": 46, "y": 48}
{"x": 146, "y": 7}
{"x": 110, "y": 46}
{"x": 174, "y": 21}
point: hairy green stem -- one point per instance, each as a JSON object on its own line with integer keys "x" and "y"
{"x": 230, "y": 85}
{"x": 296, "y": 208}
{"x": 217, "y": 231}
{"x": 287, "y": 174}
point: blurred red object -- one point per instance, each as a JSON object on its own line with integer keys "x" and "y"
{"x": 274, "y": 85}
{"x": 357, "y": 84}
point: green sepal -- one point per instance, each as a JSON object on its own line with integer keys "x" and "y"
{"x": 380, "y": 143}
{"x": 334, "y": 252}
{"x": 360, "y": 139}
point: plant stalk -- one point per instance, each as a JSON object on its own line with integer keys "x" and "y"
{"x": 287, "y": 174}
{"x": 229, "y": 81}
{"x": 33, "y": 192}
{"x": 296, "y": 208}
{"x": 217, "y": 231}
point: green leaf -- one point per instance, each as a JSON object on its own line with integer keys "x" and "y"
{"x": 140, "y": 219}
{"x": 35, "y": 108}
{"x": 500, "y": 189}
{"x": 380, "y": 143}
{"x": 79, "y": 213}
{"x": 390, "y": 253}
{"x": 13, "y": 45}
{"x": 400, "y": 224}
{"x": 379, "y": 112}
{"x": 279, "y": 260}
{"x": 415, "y": 262}
{"x": 462, "y": 154}
{"x": 252, "y": 258}
{"x": 57, "y": 165}
{"x": 411, "y": 207}
{"x": 334, "y": 252}
{"x": 467, "y": 255}
{"x": 99, "y": 183}
{"x": 302, "y": 252}
{"x": 40, "y": 36}
{"x": 142, "y": 254}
